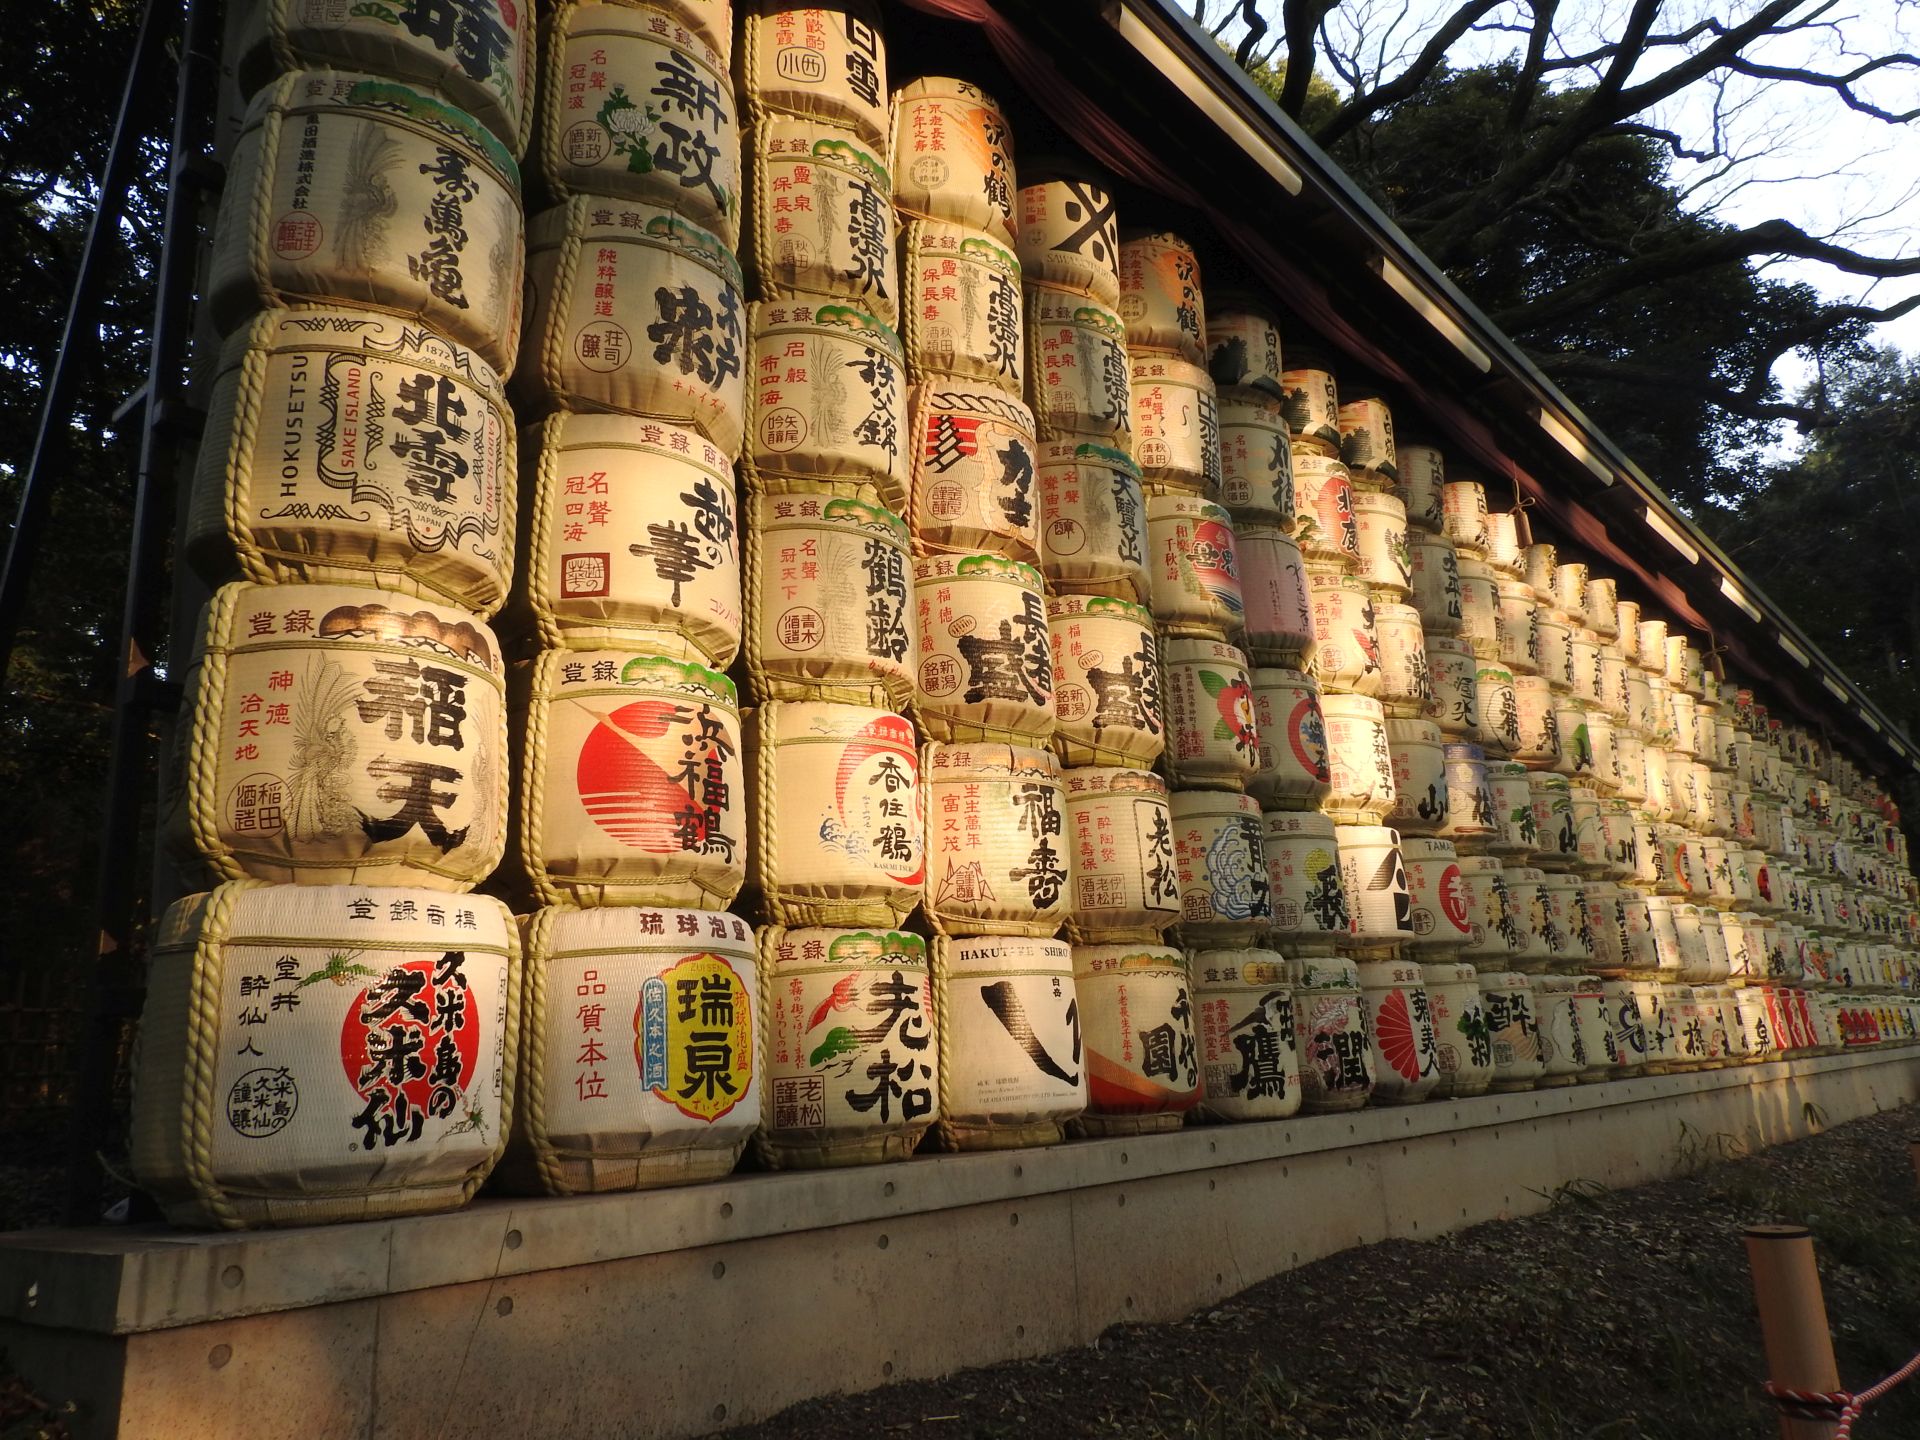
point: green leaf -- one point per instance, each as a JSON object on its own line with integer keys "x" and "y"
{"x": 1213, "y": 684}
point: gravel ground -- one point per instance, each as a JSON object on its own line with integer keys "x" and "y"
{"x": 1614, "y": 1315}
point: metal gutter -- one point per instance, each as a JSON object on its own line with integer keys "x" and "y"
{"x": 1168, "y": 40}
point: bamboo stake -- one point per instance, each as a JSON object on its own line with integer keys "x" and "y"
{"x": 1793, "y": 1321}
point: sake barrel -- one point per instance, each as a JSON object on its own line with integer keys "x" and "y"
{"x": 1513, "y": 1033}
{"x": 851, "y": 1070}
{"x": 1570, "y": 588}
{"x": 1323, "y": 518}
{"x": 1494, "y": 938}
{"x": 1249, "y": 1063}
{"x": 348, "y": 447}
{"x": 641, "y": 1058}
{"x": 961, "y": 319}
{"x": 633, "y": 538}
{"x": 1537, "y": 712}
{"x": 1562, "y": 1038}
{"x": 1295, "y": 771}
{"x": 1175, "y": 418}
{"x": 1374, "y": 876}
{"x": 1519, "y": 645}
{"x": 339, "y": 736}
{"x": 1160, "y": 296}
{"x": 1464, "y": 511}
{"x": 478, "y": 59}
{"x": 1093, "y": 521}
{"x": 1194, "y": 567}
{"x": 639, "y": 107}
{"x": 1421, "y": 796}
{"x": 1308, "y": 893}
{"x": 1106, "y": 680}
{"x": 1120, "y": 832}
{"x": 1312, "y": 401}
{"x": 1222, "y": 867}
{"x": 973, "y": 472}
{"x": 1494, "y": 698}
{"x": 834, "y": 792}
{"x": 1602, "y": 597}
{"x": 819, "y": 62}
{"x": 1626, "y": 615}
{"x": 1366, "y": 435}
{"x": 828, "y": 400}
{"x": 1330, "y": 1023}
{"x": 1576, "y": 739}
{"x": 1452, "y": 671}
{"x": 1136, "y": 1014}
{"x": 1479, "y": 608}
{"x": 1435, "y": 575}
{"x": 1597, "y": 1036}
{"x": 1278, "y": 611}
{"x": 1256, "y": 458}
{"x": 632, "y": 791}
{"x": 1078, "y": 378}
{"x": 986, "y": 669}
{"x": 1346, "y": 653}
{"x": 1515, "y": 833}
{"x": 1406, "y": 684}
{"x": 1012, "y": 1071}
{"x": 1628, "y": 1025}
{"x": 1442, "y": 924}
{"x": 1460, "y": 1028}
{"x": 953, "y": 155}
{"x": 828, "y": 612}
{"x": 667, "y": 342}
{"x": 1662, "y": 1027}
{"x": 997, "y": 859}
{"x": 1558, "y": 845}
{"x": 348, "y": 189}
{"x": 1069, "y": 237}
{"x": 1472, "y": 817}
{"x": 1420, "y": 482}
{"x": 264, "y": 1097}
{"x": 1243, "y": 348}
{"x": 1212, "y": 739}
{"x": 820, "y": 223}
{"x": 1541, "y": 561}
{"x": 1360, "y": 761}
{"x": 1584, "y": 647}
{"x": 1540, "y": 944}
{"x": 1406, "y": 1052}
{"x": 1504, "y": 551}
{"x": 1380, "y": 524}
{"x": 1617, "y": 837}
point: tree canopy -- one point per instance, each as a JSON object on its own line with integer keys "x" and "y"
{"x": 1544, "y": 182}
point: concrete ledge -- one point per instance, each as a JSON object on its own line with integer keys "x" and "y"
{"x": 673, "y": 1311}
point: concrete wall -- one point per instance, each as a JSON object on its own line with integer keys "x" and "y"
{"x": 673, "y": 1312}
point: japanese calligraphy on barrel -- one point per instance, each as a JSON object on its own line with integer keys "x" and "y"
{"x": 1012, "y": 1059}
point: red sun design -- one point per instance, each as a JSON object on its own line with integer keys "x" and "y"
{"x": 876, "y": 758}
{"x": 627, "y": 794}
{"x": 412, "y": 1007}
{"x": 1393, "y": 1031}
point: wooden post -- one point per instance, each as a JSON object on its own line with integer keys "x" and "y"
{"x": 1793, "y": 1320}
{"x": 1913, "y": 1148}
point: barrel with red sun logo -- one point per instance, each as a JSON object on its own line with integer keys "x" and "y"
{"x": 835, "y": 793}
{"x": 1442, "y": 921}
{"x": 852, "y": 1064}
{"x": 1406, "y": 1051}
{"x": 1295, "y": 771}
{"x": 339, "y": 735}
{"x": 633, "y": 788}
{"x": 641, "y": 1059}
{"x": 322, "y": 1053}
{"x": 633, "y": 538}
{"x": 1013, "y": 1065}
{"x": 1194, "y": 568}
{"x": 1143, "y": 1056}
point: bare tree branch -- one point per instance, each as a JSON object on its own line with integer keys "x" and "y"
{"x": 1256, "y": 27}
{"x": 1300, "y": 19}
{"x": 1369, "y": 103}
{"x": 1842, "y": 85}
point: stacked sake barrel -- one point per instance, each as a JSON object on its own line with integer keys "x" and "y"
{"x": 331, "y": 1031}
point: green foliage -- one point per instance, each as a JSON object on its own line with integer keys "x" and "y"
{"x": 60, "y": 75}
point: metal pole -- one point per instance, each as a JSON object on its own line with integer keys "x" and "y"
{"x": 110, "y": 986}
{"x": 1793, "y": 1322}
{"x": 77, "y": 339}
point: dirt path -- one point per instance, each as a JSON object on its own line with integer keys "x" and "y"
{"x": 1621, "y": 1315}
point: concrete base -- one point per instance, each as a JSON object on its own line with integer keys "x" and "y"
{"x": 674, "y": 1312}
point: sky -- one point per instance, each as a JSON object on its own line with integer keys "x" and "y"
{"x": 1802, "y": 155}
